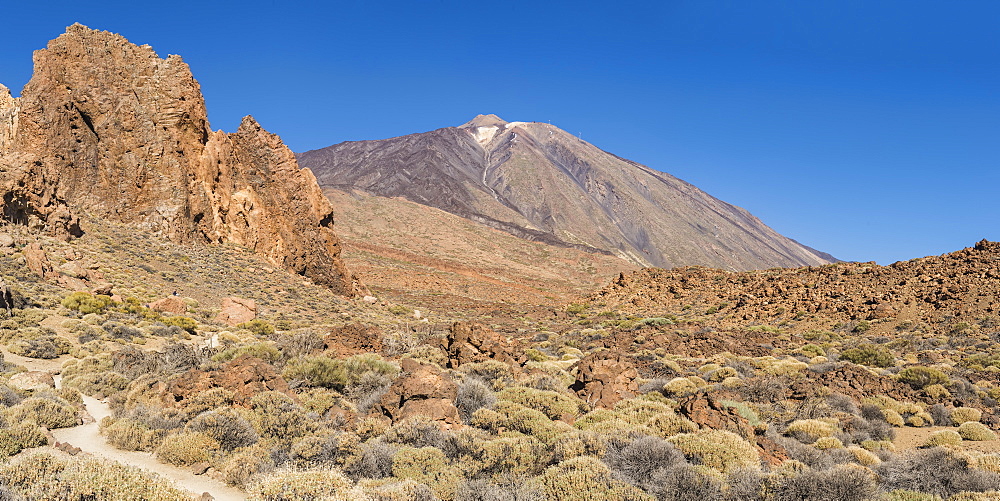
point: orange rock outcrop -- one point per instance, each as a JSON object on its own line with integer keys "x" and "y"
{"x": 110, "y": 129}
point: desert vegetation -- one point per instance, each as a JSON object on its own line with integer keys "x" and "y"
{"x": 321, "y": 397}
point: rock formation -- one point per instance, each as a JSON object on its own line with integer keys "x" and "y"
{"x": 109, "y": 129}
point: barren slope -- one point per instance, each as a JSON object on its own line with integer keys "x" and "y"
{"x": 538, "y": 182}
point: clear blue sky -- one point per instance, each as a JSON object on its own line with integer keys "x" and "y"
{"x": 870, "y": 130}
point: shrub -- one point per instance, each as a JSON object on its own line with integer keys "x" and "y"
{"x": 257, "y": 326}
{"x": 130, "y": 435}
{"x": 934, "y": 471}
{"x": 863, "y": 456}
{"x": 185, "y": 449}
{"x": 679, "y": 386}
{"x": 919, "y": 377}
{"x": 473, "y": 394}
{"x": 509, "y": 456}
{"x": 943, "y": 437}
{"x": 225, "y": 426}
{"x": 725, "y": 451}
{"x": 45, "y": 347}
{"x": 326, "y": 449}
{"x": 375, "y": 461}
{"x": 961, "y": 415}
{"x": 808, "y": 430}
{"x": 45, "y": 412}
{"x": 427, "y": 465}
{"x": 824, "y": 443}
{"x": 975, "y": 431}
{"x": 841, "y": 483}
{"x": 182, "y": 322}
{"x": 276, "y": 415}
{"x": 553, "y": 404}
{"x": 638, "y": 460}
{"x": 287, "y": 485}
{"x": 937, "y": 392}
{"x": 892, "y": 417}
{"x": 263, "y": 351}
{"x": 493, "y": 372}
{"x": 19, "y": 437}
{"x": 869, "y": 354}
{"x": 85, "y": 302}
{"x": 245, "y": 465}
{"x": 483, "y": 490}
{"x": 44, "y": 476}
{"x": 585, "y": 479}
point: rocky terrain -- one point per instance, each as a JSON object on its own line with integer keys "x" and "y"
{"x": 108, "y": 128}
{"x": 140, "y": 362}
{"x": 538, "y": 182}
{"x": 434, "y": 260}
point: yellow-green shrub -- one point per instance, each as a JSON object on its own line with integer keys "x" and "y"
{"x": 722, "y": 450}
{"x": 19, "y": 437}
{"x": 246, "y": 464}
{"x": 44, "y": 412}
{"x": 824, "y": 443}
{"x": 920, "y": 377}
{"x": 427, "y": 465}
{"x": 289, "y": 485}
{"x": 553, "y": 404}
{"x": 943, "y": 437}
{"x": 516, "y": 417}
{"x": 586, "y": 478}
{"x": 187, "y": 448}
{"x": 863, "y": 456}
{"x": 811, "y": 429}
{"x": 130, "y": 435}
{"x": 976, "y": 431}
{"x": 961, "y": 415}
{"x": 85, "y": 302}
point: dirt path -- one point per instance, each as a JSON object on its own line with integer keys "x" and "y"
{"x": 89, "y": 439}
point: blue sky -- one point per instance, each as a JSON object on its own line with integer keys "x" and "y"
{"x": 870, "y": 130}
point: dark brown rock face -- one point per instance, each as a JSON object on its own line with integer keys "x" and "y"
{"x": 109, "y": 128}
{"x": 605, "y": 379}
{"x": 472, "y": 342}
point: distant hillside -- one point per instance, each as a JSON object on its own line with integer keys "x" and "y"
{"x": 541, "y": 183}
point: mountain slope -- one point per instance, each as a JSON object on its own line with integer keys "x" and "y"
{"x": 538, "y": 182}
{"x": 109, "y": 128}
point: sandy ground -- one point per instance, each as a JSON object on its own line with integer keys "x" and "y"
{"x": 88, "y": 438}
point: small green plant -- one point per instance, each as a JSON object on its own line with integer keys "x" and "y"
{"x": 85, "y": 302}
{"x": 260, "y": 328}
{"x": 869, "y": 354}
{"x": 919, "y": 377}
{"x": 183, "y": 322}
{"x": 976, "y": 431}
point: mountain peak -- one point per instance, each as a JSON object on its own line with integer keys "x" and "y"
{"x": 485, "y": 121}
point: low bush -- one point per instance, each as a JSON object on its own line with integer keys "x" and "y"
{"x": 841, "y": 483}
{"x": 428, "y": 465}
{"x": 473, "y": 394}
{"x": 130, "y": 435}
{"x": 943, "y": 437}
{"x": 975, "y": 431}
{"x": 585, "y": 479}
{"x": 187, "y": 448}
{"x": 47, "y": 412}
{"x": 722, "y": 450}
{"x": 869, "y": 354}
{"x": 19, "y": 437}
{"x": 961, "y": 415}
{"x": 934, "y": 471}
{"x": 920, "y": 377}
{"x": 286, "y": 485}
{"x": 85, "y": 302}
{"x": 227, "y": 427}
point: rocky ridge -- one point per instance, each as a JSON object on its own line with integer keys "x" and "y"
{"x": 932, "y": 294}
{"x": 108, "y": 129}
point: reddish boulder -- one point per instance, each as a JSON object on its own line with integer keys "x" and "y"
{"x": 245, "y": 376}
{"x": 422, "y": 390}
{"x": 602, "y": 380}
{"x": 353, "y": 339}
{"x": 170, "y": 304}
{"x": 236, "y": 310}
{"x": 472, "y": 342}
